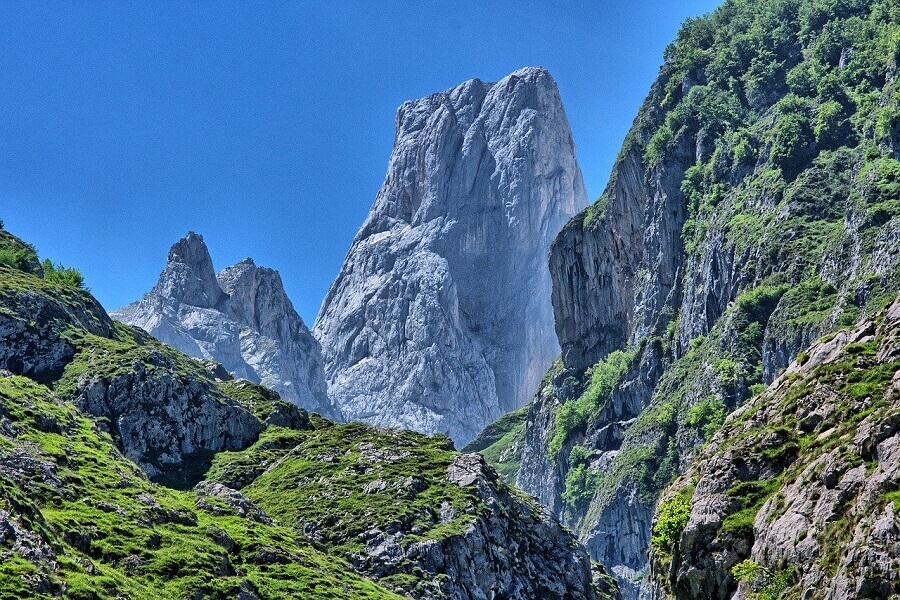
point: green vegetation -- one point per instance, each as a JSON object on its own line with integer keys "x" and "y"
{"x": 671, "y": 519}
{"x": 749, "y": 496}
{"x": 707, "y": 416}
{"x": 602, "y": 379}
{"x": 500, "y": 442}
{"x": 17, "y": 254}
{"x": 331, "y": 475}
{"x": 893, "y": 497}
{"x": 770, "y": 584}
{"x": 113, "y": 532}
{"x": 57, "y": 273}
{"x": 581, "y": 479}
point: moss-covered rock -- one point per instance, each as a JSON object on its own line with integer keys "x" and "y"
{"x": 795, "y": 491}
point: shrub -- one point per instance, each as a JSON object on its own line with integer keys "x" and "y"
{"x": 671, "y": 520}
{"x": 21, "y": 257}
{"x": 581, "y": 480}
{"x": 707, "y": 416}
{"x": 792, "y": 136}
{"x": 747, "y": 570}
{"x": 57, "y": 273}
{"x": 831, "y": 127}
{"x": 602, "y": 379}
{"x": 771, "y": 584}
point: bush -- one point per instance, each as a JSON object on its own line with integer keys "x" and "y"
{"x": 747, "y": 570}
{"x": 792, "y": 138}
{"x": 707, "y": 416}
{"x": 581, "y": 480}
{"x": 17, "y": 258}
{"x": 57, "y": 273}
{"x": 771, "y": 584}
{"x": 671, "y": 520}
{"x": 832, "y": 127}
{"x": 602, "y": 379}
{"x": 757, "y": 304}
{"x": 18, "y": 255}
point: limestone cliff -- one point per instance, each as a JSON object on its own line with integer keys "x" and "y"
{"x": 240, "y": 318}
{"x": 796, "y": 495}
{"x": 753, "y": 207}
{"x": 440, "y": 319}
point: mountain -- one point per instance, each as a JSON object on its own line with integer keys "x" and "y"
{"x": 129, "y": 469}
{"x": 752, "y": 209}
{"x": 240, "y": 318}
{"x": 798, "y": 494}
{"x": 440, "y": 319}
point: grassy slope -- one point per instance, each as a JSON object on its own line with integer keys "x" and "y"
{"x": 108, "y": 531}
{"x": 113, "y": 532}
{"x": 499, "y": 443}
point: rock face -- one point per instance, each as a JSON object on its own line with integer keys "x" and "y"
{"x": 799, "y": 487}
{"x": 715, "y": 255}
{"x": 241, "y": 318}
{"x": 440, "y": 319}
{"x": 159, "y": 416}
{"x": 406, "y": 510}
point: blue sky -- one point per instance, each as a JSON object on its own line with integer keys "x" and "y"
{"x": 267, "y": 126}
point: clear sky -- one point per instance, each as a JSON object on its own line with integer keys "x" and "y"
{"x": 267, "y": 126}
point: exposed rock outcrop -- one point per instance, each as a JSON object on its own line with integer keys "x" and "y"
{"x": 440, "y": 319}
{"x": 715, "y": 255}
{"x": 495, "y": 553}
{"x": 799, "y": 488}
{"x": 241, "y": 318}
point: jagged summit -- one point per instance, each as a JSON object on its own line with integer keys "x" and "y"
{"x": 440, "y": 319}
{"x": 241, "y": 318}
{"x": 189, "y": 276}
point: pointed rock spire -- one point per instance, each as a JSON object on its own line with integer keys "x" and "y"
{"x": 189, "y": 277}
{"x": 241, "y": 318}
{"x": 440, "y": 319}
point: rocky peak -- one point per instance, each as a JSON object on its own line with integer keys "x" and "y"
{"x": 440, "y": 319}
{"x": 241, "y": 318}
{"x": 189, "y": 276}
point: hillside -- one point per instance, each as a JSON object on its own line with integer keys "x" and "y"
{"x": 130, "y": 470}
{"x": 798, "y": 494}
{"x": 752, "y": 209}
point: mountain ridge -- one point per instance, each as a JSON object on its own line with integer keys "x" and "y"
{"x": 240, "y": 317}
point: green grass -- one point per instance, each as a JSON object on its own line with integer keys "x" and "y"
{"x": 320, "y": 485}
{"x": 750, "y": 496}
{"x": 500, "y": 442}
{"x": 139, "y": 538}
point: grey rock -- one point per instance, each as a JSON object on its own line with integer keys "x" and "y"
{"x": 512, "y": 549}
{"x": 440, "y": 319}
{"x": 239, "y": 504}
{"x": 158, "y": 416}
{"x": 31, "y": 326}
{"x": 829, "y": 520}
{"x": 241, "y": 318}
